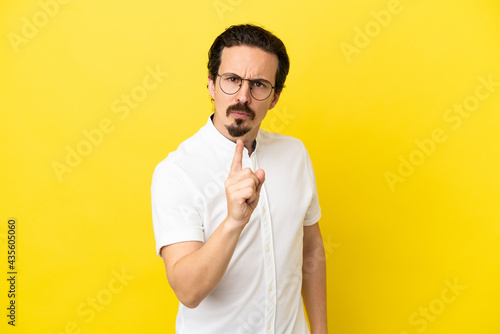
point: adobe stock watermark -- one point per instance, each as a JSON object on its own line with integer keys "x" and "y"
{"x": 363, "y": 36}
{"x": 279, "y": 119}
{"x": 256, "y": 318}
{"x": 121, "y": 107}
{"x": 310, "y": 265}
{"x": 213, "y": 190}
{"x": 31, "y": 26}
{"x": 453, "y": 117}
{"x": 221, "y": 7}
{"x": 420, "y": 319}
{"x": 96, "y": 303}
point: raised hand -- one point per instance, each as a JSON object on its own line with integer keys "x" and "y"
{"x": 242, "y": 188}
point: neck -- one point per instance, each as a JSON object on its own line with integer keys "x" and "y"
{"x": 248, "y": 141}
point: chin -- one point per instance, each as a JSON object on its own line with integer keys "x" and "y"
{"x": 237, "y": 131}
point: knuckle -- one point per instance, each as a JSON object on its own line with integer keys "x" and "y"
{"x": 247, "y": 171}
{"x": 250, "y": 183}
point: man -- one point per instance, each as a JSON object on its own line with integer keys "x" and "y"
{"x": 235, "y": 208}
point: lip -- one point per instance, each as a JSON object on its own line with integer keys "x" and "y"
{"x": 240, "y": 114}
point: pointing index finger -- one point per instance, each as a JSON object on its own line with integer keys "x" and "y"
{"x": 238, "y": 157}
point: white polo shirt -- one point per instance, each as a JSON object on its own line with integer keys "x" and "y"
{"x": 261, "y": 289}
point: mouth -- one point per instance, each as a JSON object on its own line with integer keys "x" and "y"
{"x": 240, "y": 114}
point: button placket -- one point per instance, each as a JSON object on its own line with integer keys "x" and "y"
{"x": 269, "y": 258}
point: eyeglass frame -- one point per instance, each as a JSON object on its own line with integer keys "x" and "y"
{"x": 249, "y": 80}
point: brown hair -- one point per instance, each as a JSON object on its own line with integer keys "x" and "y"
{"x": 249, "y": 35}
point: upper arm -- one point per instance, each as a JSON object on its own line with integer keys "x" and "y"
{"x": 174, "y": 252}
{"x": 313, "y": 213}
{"x": 312, "y": 238}
{"x": 176, "y": 215}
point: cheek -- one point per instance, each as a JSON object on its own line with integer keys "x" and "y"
{"x": 261, "y": 113}
{"x": 220, "y": 105}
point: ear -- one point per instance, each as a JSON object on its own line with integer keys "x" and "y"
{"x": 211, "y": 87}
{"x": 276, "y": 97}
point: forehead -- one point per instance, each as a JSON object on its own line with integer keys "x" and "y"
{"x": 249, "y": 62}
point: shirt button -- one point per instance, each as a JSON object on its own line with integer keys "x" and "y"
{"x": 267, "y": 249}
{"x": 270, "y": 288}
{"x": 264, "y": 210}
{"x": 269, "y": 326}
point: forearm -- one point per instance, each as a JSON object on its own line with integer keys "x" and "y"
{"x": 195, "y": 275}
{"x": 314, "y": 284}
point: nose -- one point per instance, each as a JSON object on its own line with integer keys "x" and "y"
{"x": 243, "y": 94}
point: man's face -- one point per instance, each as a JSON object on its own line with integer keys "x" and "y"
{"x": 240, "y": 115}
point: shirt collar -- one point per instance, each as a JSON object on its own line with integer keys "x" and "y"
{"x": 221, "y": 140}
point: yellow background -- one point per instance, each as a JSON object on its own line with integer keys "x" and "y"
{"x": 390, "y": 249}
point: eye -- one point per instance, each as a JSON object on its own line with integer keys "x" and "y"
{"x": 232, "y": 78}
{"x": 259, "y": 84}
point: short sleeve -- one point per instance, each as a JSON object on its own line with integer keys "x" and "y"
{"x": 313, "y": 213}
{"x": 175, "y": 216}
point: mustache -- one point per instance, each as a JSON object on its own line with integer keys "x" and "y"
{"x": 243, "y": 107}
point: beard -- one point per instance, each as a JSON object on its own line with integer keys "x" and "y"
{"x": 238, "y": 128}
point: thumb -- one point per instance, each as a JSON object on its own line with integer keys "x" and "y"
{"x": 261, "y": 175}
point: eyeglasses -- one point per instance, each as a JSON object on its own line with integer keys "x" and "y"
{"x": 230, "y": 84}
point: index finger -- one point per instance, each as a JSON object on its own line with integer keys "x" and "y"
{"x": 238, "y": 157}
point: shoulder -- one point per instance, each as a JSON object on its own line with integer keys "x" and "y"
{"x": 273, "y": 137}
{"x": 271, "y": 141}
{"x": 176, "y": 162}
{"x": 187, "y": 151}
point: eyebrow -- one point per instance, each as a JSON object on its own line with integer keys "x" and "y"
{"x": 247, "y": 79}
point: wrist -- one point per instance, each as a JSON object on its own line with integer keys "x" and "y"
{"x": 232, "y": 226}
